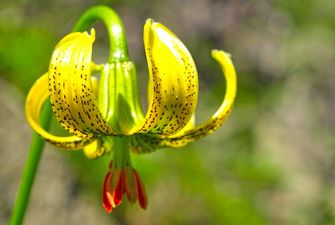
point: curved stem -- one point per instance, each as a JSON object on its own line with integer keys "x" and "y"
{"x": 117, "y": 38}
{"x": 30, "y": 168}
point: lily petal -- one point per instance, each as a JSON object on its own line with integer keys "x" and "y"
{"x": 37, "y": 95}
{"x": 220, "y": 115}
{"x": 71, "y": 93}
{"x": 143, "y": 143}
{"x": 173, "y": 81}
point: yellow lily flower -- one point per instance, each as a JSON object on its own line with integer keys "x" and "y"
{"x": 105, "y": 115}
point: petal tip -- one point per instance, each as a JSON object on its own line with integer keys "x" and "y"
{"x": 149, "y": 21}
{"x": 92, "y": 33}
{"x": 90, "y": 36}
{"x": 216, "y": 53}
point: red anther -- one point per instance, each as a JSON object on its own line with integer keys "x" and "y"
{"x": 128, "y": 192}
{"x": 105, "y": 192}
{"x": 142, "y": 195}
{"x": 119, "y": 187}
{"x": 129, "y": 185}
{"x": 120, "y": 182}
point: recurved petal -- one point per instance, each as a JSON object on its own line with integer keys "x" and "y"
{"x": 220, "y": 115}
{"x": 173, "y": 81}
{"x": 71, "y": 93}
{"x": 37, "y": 95}
{"x": 143, "y": 143}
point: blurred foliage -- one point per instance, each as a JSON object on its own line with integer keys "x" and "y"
{"x": 271, "y": 163}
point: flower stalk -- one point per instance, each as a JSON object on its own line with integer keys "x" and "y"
{"x": 30, "y": 169}
{"x": 117, "y": 39}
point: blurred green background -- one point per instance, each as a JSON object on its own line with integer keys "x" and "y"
{"x": 272, "y": 162}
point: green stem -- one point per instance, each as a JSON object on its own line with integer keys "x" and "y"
{"x": 118, "y": 50}
{"x": 30, "y": 168}
{"x": 121, "y": 155}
